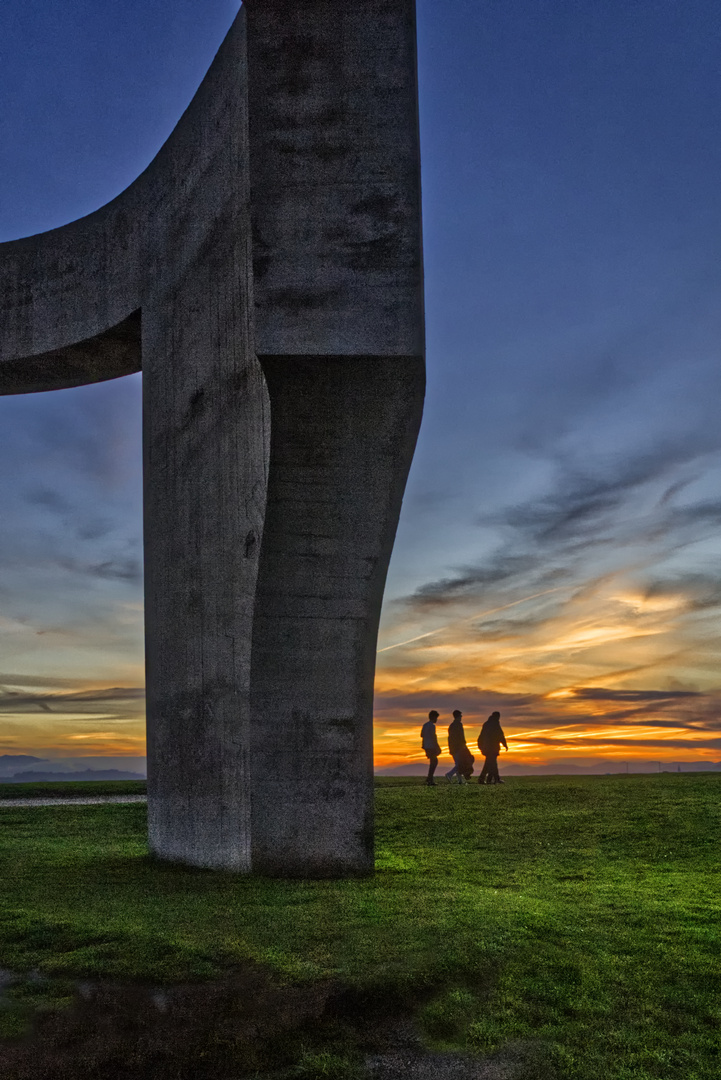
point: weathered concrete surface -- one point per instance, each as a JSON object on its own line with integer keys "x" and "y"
{"x": 335, "y": 173}
{"x": 259, "y": 687}
{"x": 109, "y": 355}
{"x": 339, "y": 330}
{"x": 205, "y": 468}
{"x": 342, "y": 434}
{"x": 164, "y": 272}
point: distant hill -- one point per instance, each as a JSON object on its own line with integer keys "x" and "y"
{"x": 33, "y": 776}
{"x": 11, "y": 761}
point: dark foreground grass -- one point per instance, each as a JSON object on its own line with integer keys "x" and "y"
{"x": 577, "y": 915}
{"x": 71, "y": 789}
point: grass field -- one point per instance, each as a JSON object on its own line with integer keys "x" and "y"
{"x": 71, "y": 789}
{"x": 578, "y": 915}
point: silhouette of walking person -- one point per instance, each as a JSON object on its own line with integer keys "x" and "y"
{"x": 489, "y": 743}
{"x": 429, "y": 742}
{"x": 462, "y": 757}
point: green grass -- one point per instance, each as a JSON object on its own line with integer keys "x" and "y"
{"x": 579, "y": 915}
{"x": 71, "y": 789}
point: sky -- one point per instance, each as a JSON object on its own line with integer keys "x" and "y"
{"x": 558, "y": 556}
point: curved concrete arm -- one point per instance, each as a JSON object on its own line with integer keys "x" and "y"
{"x": 70, "y": 298}
{"x": 265, "y": 272}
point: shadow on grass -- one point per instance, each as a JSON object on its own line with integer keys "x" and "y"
{"x": 242, "y": 1025}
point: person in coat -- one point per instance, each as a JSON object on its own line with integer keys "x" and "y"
{"x": 462, "y": 757}
{"x": 490, "y": 741}
{"x": 429, "y": 742}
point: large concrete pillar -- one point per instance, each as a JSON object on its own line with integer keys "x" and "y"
{"x": 282, "y": 383}
{"x": 205, "y": 424}
{"x": 205, "y": 465}
{"x": 335, "y": 198}
{"x": 342, "y": 433}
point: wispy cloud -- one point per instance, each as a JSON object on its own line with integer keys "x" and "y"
{"x": 128, "y": 568}
{"x": 12, "y": 700}
{"x": 575, "y": 722}
{"x": 598, "y": 612}
{"x": 52, "y": 718}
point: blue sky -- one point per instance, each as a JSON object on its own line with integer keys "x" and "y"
{"x": 571, "y": 449}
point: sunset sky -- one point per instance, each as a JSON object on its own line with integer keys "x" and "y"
{"x": 559, "y": 555}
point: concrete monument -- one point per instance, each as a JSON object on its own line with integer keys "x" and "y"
{"x": 265, "y": 274}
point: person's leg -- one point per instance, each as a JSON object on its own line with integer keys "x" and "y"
{"x": 453, "y": 772}
{"x": 433, "y": 764}
{"x": 493, "y": 777}
{"x": 483, "y": 778}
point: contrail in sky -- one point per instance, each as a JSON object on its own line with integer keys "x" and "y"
{"x": 479, "y": 615}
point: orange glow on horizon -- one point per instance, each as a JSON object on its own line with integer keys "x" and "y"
{"x": 606, "y": 672}
{"x": 611, "y": 671}
{"x": 643, "y": 743}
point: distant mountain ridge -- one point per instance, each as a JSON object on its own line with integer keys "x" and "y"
{"x": 18, "y": 759}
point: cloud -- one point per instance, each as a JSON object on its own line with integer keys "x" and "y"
{"x": 119, "y": 569}
{"x": 71, "y": 532}
{"x": 94, "y": 530}
{"x": 591, "y": 693}
{"x": 585, "y": 504}
{"x": 14, "y": 679}
{"x": 51, "y": 718}
{"x": 113, "y": 693}
{"x": 694, "y": 711}
{"x": 92, "y": 432}
{"x": 49, "y": 500}
{"x": 470, "y": 699}
{"x": 699, "y": 591}
{"x": 500, "y": 567}
{"x": 69, "y": 512}
{"x": 12, "y": 700}
{"x": 616, "y": 515}
{"x": 583, "y": 723}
